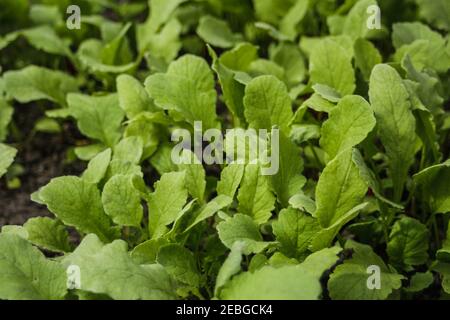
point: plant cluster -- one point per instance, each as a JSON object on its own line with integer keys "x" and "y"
{"x": 358, "y": 208}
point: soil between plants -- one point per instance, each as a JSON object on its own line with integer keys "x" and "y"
{"x": 43, "y": 156}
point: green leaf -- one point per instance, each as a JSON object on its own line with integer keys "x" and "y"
{"x": 367, "y": 57}
{"x": 443, "y": 254}
{"x": 420, "y": 281}
{"x": 255, "y": 197}
{"x": 262, "y": 67}
{"x": 48, "y": 125}
{"x": 425, "y": 48}
{"x": 122, "y": 202}
{"x": 97, "y": 167}
{"x": 371, "y": 180}
{"x": 230, "y": 267}
{"x": 89, "y": 152}
{"x": 427, "y": 88}
{"x": 271, "y": 11}
{"x": 48, "y": 234}
{"x": 268, "y": 283}
{"x": 17, "y": 230}
{"x": 327, "y": 92}
{"x": 162, "y": 159}
{"x": 35, "y": 83}
{"x": 289, "y": 56}
{"x": 147, "y": 251}
{"x": 26, "y": 274}
{"x": 319, "y": 104}
{"x": 129, "y": 150}
{"x": 208, "y": 210}
{"x": 444, "y": 271}
{"x": 330, "y": 64}
{"x": 90, "y": 54}
{"x": 78, "y": 203}
{"x": 109, "y": 269}
{"x": 42, "y": 13}
{"x": 288, "y": 180}
{"x": 289, "y": 23}
{"x": 340, "y": 189}
{"x": 407, "y": 32}
{"x": 242, "y": 228}
{"x": 97, "y": 117}
{"x": 133, "y": 99}
{"x": 187, "y": 89}
{"x": 347, "y": 126}
{"x": 355, "y": 24}
{"x": 162, "y": 47}
{"x": 145, "y": 127}
{"x": 408, "y": 243}
{"x": 123, "y": 167}
{"x": 217, "y": 32}
{"x": 160, "y": 12}
{"x": 180, "y": 263}
{"x": 395, "y": 122}
{"x": 426, "y": 54}
{"x": 294, "y": 231}
{"x": 7, "y": 155}
{"x": 6, "y": 112}
{"x": 166, "y": 202}
{"x": 267, "y": 103}
{"x": 303, "y": 203}
{"x": 230, "y": 179}
{"x": 434, "y": 184}
{"x": 45, "y": 38}
{"x": 319, "y": 262}
{"x": 195, "y": 175}
{"x": 349, "y": 281}
{"x": 325, "y": 236}
{"x": 240, "y": 57}
{"x": 436, "y": 12}
{"x": 232, "y": 90}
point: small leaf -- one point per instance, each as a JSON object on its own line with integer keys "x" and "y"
{"x": 294, "y": 231}
{"x": 35, "y": 83}
{"x": 109, "y": 269}
{"x": 97, "y": 117}
{"x": 395, "y": 122}
{"x": 349, "y": 280}
{"x": 122, "y": 202}
{"x": 97, "y": 167}
{"x": 27, "y": 274}
{"x": 340, "y": 189}
{"x": 267, "y": 103}
{"x": 347, "y": 126}
{"x": 268, "y": 283}
{"x": 242, "y": 228}
{"x": 78, "y": 203}
{"x": 133, "y": 99}
{"x": 230, "y": 179}
{"x": 48, "y": 234}
{"x": 408, "y": 243}
{"x": 166, "y": 202}
{"x": 180, "y": 263}
{"x": 255, "y": 197}
{"x": 331, "y": 65}
{"x": 217, "y": 32}
{"x": 7, "y": 155}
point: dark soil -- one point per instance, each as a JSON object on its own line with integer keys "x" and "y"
{"x": 43, "y": 157}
